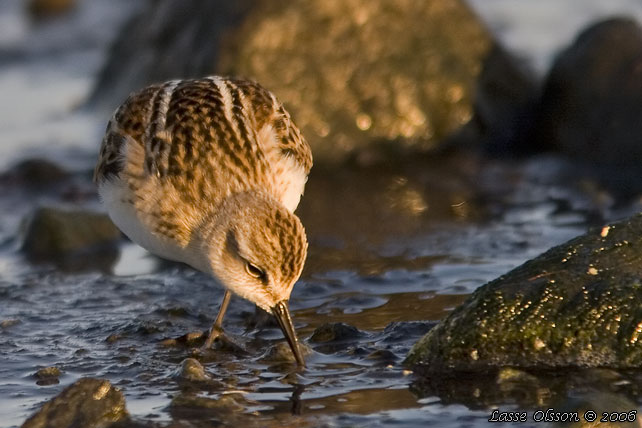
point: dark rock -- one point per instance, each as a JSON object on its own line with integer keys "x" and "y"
{"x": 40, "y": 9}
{"x": 87, "y": 403}
{"x": 9, "y": 323}
{"x": 71, "y": 239}
{"x": 48, "y": 372}
{"x": 506, "y": 102}
{"x": 396, "y": 332}
{"x": 192, "y": 370}
{"x": 190, "y": 405}
{"x": 113, "y": 338}
{"x": 332, "y": 338}
{"x": 353, "y": 74}
{"x": 192, "y": 338}
{"x": 35, "y": 174}
{"x": 382, "y": 357}
{"x": 335, "y": 332}
{"x": 281, "y": 352}
{"x": 591, "y": 106}
{"x": 527, "y": 389}
{"x": 577, "y": 305}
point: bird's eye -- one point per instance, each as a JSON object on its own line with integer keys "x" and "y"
{"x": 254, "y": 270}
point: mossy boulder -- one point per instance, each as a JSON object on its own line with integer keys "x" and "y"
{"x": 577, "y": 305}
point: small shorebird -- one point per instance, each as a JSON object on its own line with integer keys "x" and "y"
{"x": 208, "y": 172}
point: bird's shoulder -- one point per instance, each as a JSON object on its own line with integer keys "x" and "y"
{"x": 181, "y": 126}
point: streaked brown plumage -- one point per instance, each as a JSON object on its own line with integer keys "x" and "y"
{"x": 209, "y": 172}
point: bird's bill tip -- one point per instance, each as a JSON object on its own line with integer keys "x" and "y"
{"x": 282, "y": 315}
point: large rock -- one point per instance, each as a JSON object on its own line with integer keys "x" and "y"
{"x": 353, "y": 73}
{"x": 71, "y": 239}
{"x": 577, "y": 305}
{"x": 88, "y": 403}
{"x": 592, "y": 102}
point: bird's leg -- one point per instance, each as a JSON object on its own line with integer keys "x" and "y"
{"x": 217, "y": 327}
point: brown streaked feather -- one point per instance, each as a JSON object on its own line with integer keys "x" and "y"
{"x": 195, "y": 142}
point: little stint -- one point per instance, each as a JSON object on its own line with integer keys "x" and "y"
{"x": 209, "y": 172}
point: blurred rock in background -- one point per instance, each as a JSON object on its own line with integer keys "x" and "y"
{"x": 591, "y": 107}
{"x": 353, "y": 73}
{"x": 71, "y": 240}
{"x": 42, "y": 9}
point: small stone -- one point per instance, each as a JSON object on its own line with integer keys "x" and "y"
{"x": 332, "y": 332}
{"x": 169, "y": 342}
{"x": 382, "y": 357}
{"x": 605, "y": 231}
{"x": 87, "y": 403}
{"x": 225, "y": 403}
{"x": 112, "y": 338}
{"x": 509, "y": 374}
{"x": 192, "y": 370}
{"x": 281, "y": 351}
{"x": 192, "y": 336}
{"x": 48, "y": 372}
{"x": 9, "y": 323}
{"x": 188, "y": 339}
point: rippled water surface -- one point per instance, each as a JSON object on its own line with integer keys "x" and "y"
{"x": 391, "y": 253}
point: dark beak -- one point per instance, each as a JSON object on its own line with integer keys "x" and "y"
{"x": 282, "y": 314}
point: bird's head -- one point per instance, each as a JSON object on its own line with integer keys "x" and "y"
{"x": 260, "y": 254}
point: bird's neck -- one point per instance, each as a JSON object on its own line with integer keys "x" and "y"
{"x": 208, "y": 240}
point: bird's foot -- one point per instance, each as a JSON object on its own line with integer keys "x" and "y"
{"x": 217, "y": 334}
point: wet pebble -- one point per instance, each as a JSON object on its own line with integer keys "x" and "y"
{"x": 48, "y": 372}
{"x": 382, "y": 357}
{"x": 190, "y": 369}
{"x": 9, "y": 323}
{"x": 334, "y": 332}
{"x": 48, "y": 376}
{"x": 192, "y": 338}
{"x": 402, "y": 331}
{"x": 510, "y": 374}
{"x": 87, "y": 403}
{"x": 112, "y": 338}
{"x": 169, "y": 342}
{"x": 225, "y": 403}
{"x": 281, "y": 351}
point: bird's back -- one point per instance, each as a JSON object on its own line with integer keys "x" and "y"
{"x": 173, "y": 151}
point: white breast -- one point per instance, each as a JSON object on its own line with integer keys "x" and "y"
{"x": 133, "y": 223}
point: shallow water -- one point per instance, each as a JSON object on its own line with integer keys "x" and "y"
{"x": 403, "y": 271}
{"x": 391, "y": 252}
